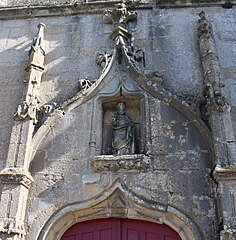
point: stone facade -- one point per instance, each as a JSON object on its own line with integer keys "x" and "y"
{"x": 171, "y": 63}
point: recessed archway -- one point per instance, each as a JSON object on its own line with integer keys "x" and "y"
{"x": 119, "y": 229}
{"x": 118, "y": 202}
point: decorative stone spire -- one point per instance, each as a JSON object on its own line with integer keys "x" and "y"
{"x": 16, "y": 173}
{"x": 29, "y": 106}
{"x": 218, "y": 112}
{"x": 212, "y": 80}
{"x": 120, "y": 17}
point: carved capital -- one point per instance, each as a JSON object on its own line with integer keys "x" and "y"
{"x": 224, "y": 173}
{"x": 16, "y": 176}
{"x": 137, "y": 162}
{"x": 12, "y": 226}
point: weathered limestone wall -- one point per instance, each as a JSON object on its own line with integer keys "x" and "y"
{"x": 180, "y": 174}
{"x": 162, "y": 3}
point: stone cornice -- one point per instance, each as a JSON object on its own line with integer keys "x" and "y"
{"x": 192, "y": 4}
{"x": 16, "y": 176}
{"x": 66, "y": 9}
{"x": 80, "y": 8}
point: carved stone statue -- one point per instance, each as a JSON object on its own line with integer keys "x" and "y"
{"x": 123, "y": 132}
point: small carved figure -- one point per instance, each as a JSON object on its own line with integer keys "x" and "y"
{"x": 123, "y": 132}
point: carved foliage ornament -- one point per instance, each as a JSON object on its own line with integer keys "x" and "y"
{"x": 120, "y": 15}
{"x": 103, "y": 60}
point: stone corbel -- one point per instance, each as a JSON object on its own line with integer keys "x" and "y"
{"x": 136, "y": 162}
{"x": 16, "y": 176}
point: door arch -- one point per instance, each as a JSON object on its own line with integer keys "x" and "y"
{"x": 119, "y": 229}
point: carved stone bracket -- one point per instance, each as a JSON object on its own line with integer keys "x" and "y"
{"x": 12, "y": 226}
{"x": 16, "y": 176}
{"x": 137, "y": 162}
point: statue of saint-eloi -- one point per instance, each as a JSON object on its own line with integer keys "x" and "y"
{"x": 123, "y": 132}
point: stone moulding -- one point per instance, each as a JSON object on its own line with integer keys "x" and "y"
{"x": 68, "y": 8}
{"x": 12, "y": 226}
{"x": 16, "y": 176}
{"x": 137, "y": 162}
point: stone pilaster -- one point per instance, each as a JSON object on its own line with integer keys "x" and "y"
{"x": 218, "y": 112}
{"x": 226, "y": 179}
{"x": 15, "y": 178}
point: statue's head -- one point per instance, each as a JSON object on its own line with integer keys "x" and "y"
{"x": 121, "y": 107}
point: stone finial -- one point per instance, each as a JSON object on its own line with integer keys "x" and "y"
{"x": 37, "y": 52}
{"x": 204, "y": 28}
{"x": 120, "y": 16}
{"x": 38, "y": 41}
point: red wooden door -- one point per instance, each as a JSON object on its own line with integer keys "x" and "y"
{"x": 119, "y": 229}
{"x": 141, "y": 230}
{"x": 102, "y": 229}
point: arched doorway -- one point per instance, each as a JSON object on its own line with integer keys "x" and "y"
{"x": 119, "y": 229}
